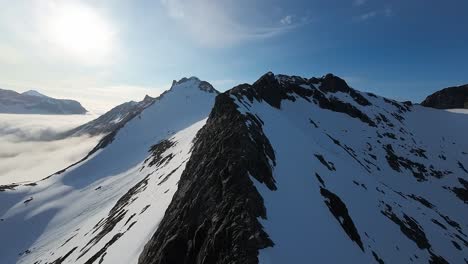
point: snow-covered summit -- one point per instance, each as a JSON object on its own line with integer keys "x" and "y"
{"x": 193, "y": 82}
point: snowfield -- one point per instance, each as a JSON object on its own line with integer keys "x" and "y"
{"x": 111, "y": 202}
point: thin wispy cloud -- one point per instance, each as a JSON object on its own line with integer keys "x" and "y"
{"x": 387, "y": 12}
{"x": 359, "y": 2}
{"x": 211, "y": 24}
{"x": 287, "y": 20}
{"x": 373, "y": 13}
{"x": 368, "y": 15}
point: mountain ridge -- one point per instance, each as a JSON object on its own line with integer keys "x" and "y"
{"x": 33, "y": 102}
{"x": 286, "y": 169}
{"x": 455, "y": 97}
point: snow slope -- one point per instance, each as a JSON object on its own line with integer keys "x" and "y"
{"x": 386, "y": 183}
{"x": 111, "y": 120}
{"x": 113, "y": 200}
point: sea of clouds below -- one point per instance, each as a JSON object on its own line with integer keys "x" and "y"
{"x": 30, "y": 148}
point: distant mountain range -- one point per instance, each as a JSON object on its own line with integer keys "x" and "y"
{"x": 285, "y": 170}
{"x": 33, "y": 102}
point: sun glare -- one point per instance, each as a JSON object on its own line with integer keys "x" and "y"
{"x": 79, "y": 30}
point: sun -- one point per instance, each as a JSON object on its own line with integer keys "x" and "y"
{"x": 79, "y": 30}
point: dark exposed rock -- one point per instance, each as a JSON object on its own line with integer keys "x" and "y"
{"x": 330, "y": 166}
{"x": 274, "y": 89}
{"x": 8, "y": 187}
{"x": 64, "y": 257}
{"x": 389, "y": 135}
{"x": 462, "y": 167}
{"x": 313, "y": 123}
{"x": 435, "y": 259}
{"x": 456, "y": 245}
{"x": 421, "y": 200}
{"x": 322, "y": 182}
{"x": 157, "y": 159}
{"x": 438, "y": 223}
{"x": 28, "y": 200}
{"x": 102, "y": 252}
{"x": 419, "y": 170}
{"x": 461, "y": 192}
{"x": 419, "y": 152}
{"x": 409, "y": 227}
{"x": 448, "y": 98}
{"x": 402, "y": 107}
{"x": 348, "y": 150}
{"x": 339, "y": 210}
{"x": 451, "y": 222}
{"x": 332, "y": 83}
{"x": 377, "y": 258}
{"x": 213, "y": 215}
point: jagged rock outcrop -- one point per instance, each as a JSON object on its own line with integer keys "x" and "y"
{"x": 213, "y": 215}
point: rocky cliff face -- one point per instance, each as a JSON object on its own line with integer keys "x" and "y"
{"x": 448, "y": 98}
{"x": 213, "y": 216}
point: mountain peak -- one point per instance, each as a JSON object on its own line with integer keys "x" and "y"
{"x": 185, "y": 80}
{"x": 34, "y": 93}
{"x": 193, "y": 82}
{"x": 148, "y": 98}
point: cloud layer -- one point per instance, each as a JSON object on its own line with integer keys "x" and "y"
{"x": 29, "y": 150}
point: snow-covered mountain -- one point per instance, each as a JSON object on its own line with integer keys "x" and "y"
{"x": 113, "y": 197}
{"x": 286, "y": 170}
{"x": 112, "y": 120}
{"x": 33, "y": 102}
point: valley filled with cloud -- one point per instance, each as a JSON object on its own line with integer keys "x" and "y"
{"x": 31, "y": 147}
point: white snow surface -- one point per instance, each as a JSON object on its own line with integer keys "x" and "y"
{"x": 298, "y": 220}
{"x": 104, "y": 209}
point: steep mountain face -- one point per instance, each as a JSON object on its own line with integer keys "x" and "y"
{"x": 294, "y": 170}
{"x": 103, "y": 209}
{"x": 448, "y": 98}
{"x": 286, "y": 170}
{"x": 33, "y": 102}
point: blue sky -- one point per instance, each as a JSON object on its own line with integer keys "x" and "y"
{"x": 108, "y": 51}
